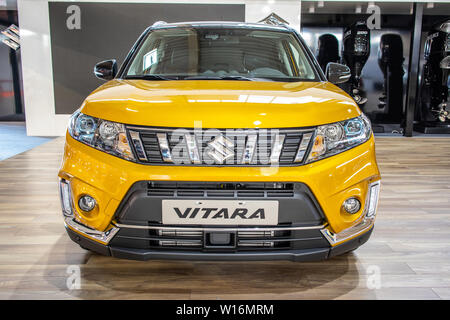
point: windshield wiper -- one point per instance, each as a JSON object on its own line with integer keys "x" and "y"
{"x": 199, "y": 77}
{"x": 150, "y": 77}
{"x": 227, "y": 77}
{"x": 242, "y": 78}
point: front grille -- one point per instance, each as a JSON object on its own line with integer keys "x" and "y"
{"x": 220, "y": 190}
{"x": 161, "y": 146}
{"x": 245, "y": 240}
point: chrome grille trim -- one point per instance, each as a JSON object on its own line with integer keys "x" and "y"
{"x": 164, "y": 147}
{"x": 257, "y": 243}
{"x": 180, "y": 243}
{"x": 179, "y": 233}
{"x": 216, "y": 229}
{"x": 193, "y": 151}
{"x": 255, "y": 234}
{"x": 277, "y": 148}
{"x": 250, "y": 148}
{"x": 138, "y": 146}
{"x": 304, "y": 144}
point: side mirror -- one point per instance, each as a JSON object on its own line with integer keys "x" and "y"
{"x": 337, "y": 73}
{"x": 106, "y": 70}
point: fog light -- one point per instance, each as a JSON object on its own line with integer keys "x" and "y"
{"x": 351, "y": 205}
{"x": 86, "y": 203}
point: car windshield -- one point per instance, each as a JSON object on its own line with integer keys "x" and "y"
{"x": 220, "y": 53}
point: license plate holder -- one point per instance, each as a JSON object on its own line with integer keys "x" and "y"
{"x": 220, "y": 212}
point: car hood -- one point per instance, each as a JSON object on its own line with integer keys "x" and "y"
{"x": 220, "y": 103}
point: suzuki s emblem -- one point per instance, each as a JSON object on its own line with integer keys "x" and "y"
{"x": 220, "y": 149}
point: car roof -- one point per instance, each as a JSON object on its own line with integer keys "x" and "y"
{"x": 235, "y": 24}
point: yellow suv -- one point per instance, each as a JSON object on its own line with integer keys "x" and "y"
{"x": 219, "y": 140}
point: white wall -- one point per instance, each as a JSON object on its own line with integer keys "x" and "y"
{"x": 37, "y": 70}
{"x": 37, "y": 60}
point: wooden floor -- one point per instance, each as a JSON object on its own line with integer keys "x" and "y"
{"x": 409, "y": 252}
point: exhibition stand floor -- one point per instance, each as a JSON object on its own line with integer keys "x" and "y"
{"x": 407, "y": 257}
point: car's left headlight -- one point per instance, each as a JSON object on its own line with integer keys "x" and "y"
{"x": 337, "y": 137}
{"x": 107, "y": 136}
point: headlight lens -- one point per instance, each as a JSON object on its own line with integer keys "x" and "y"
{"x": 103, "y": 135}
{"x": 337, "y": 137}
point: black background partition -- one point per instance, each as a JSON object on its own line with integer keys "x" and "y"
{"x": 108, "y": 30}
{"x": 410, "y": 22}
{"x": 394, "y": 19}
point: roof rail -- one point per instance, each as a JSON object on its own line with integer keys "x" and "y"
{"x": 158, "y": 23}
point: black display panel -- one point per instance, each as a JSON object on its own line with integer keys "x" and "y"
{"x": 373, "y": 40}
{"x": 83, "y": 34}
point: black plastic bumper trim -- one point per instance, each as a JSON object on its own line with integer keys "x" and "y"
{"x": 292, "y": 255}
{"x": 298, "y": 255}
{"x": 88, "y": 244}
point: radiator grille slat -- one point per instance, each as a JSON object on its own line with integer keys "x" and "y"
{"x": 272, "y": 238}
{"x": 221, "y": 190}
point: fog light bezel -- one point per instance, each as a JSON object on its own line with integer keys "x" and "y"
{"x": 103, "y": 237}
{"x": 352, "y": 212}
{"x": 363, "y": 224}
{"x": 85, "y": 196}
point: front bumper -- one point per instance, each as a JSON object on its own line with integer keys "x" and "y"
{"x": 324, "y": 186}
{"x": 315, "y": 254}
{"x": 301, "y": 235}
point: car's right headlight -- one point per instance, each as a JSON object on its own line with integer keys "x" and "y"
{"x": 337, "y": 137}
{"x": 100, "y": 134}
